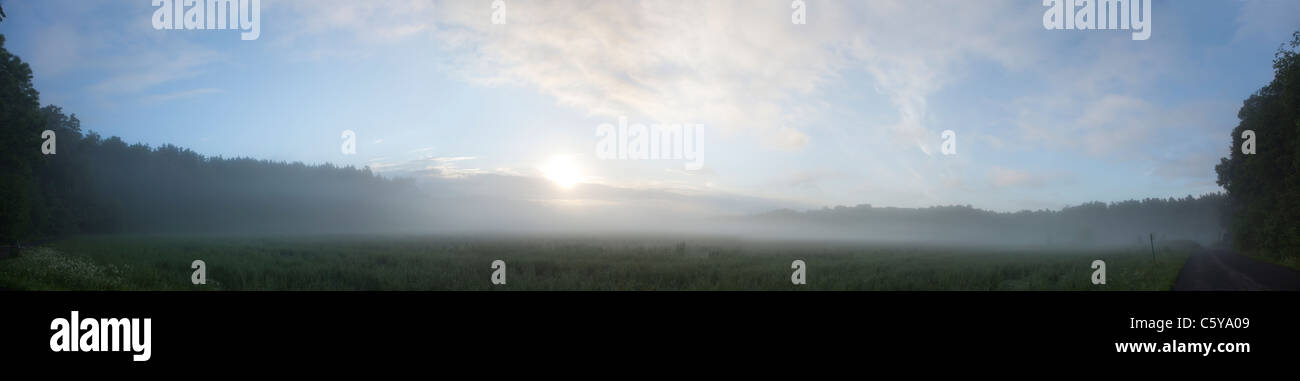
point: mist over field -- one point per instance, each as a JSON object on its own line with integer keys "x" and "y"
{"x": 112, "y": 187}
{"x": 100, "y": 186}
{"x": 343, "y": 144}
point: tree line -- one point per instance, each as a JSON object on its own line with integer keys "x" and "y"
{"x": 91, "y": 184}
{"x": 1132, "y": 222}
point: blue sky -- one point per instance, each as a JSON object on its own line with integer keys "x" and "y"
{"x": 846, "y": 109}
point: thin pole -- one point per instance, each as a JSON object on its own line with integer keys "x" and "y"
{"x": 1153, "y": 248}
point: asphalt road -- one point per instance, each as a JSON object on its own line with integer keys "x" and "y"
{"x": 1218, "y": 270}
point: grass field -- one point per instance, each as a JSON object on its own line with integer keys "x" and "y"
{"x": 1278, "y": 258}
{"x": 572, "y": 263}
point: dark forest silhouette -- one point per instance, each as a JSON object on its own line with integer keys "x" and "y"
{"x": 1264, "y": 188}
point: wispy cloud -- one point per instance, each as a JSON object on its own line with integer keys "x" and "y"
{"x": 160, "y": 98}
{"x": 446, "y": 167}
{"x": 737, "y": 66}
{"x": 1008, "y": 177}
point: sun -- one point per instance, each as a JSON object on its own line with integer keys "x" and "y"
{"x": 563, "y": 170}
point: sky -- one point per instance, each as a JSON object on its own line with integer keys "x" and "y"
{"x": 846, "y": 108}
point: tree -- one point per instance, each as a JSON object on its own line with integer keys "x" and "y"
{"x": 20, "y": 120}
{"x": 1263, "y": 196}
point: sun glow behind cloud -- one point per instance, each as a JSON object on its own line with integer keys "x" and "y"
{"x": 563, "y": 170}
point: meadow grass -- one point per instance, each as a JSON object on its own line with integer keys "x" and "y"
{"x": 569, "y": 263}
{"x": 1280, "y": 258}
